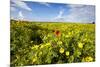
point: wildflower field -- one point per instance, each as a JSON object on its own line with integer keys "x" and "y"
{"x": 36, "y": 43}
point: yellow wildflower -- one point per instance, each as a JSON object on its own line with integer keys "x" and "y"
{"x": 48, "y": 44}
{"x": 88, "y": 59}
{"x": 67, "y": 36}
{"x": 61, "y": 50}
{"x": 80, "y": 45}
{"x": 35, "y": 47}
{"x": 42, "y": 46}
{"x": 69, "y": 33}
{"x": 33, "y": 60}
{"x": 59, "y": 42}
{"x": 67, "y": 53}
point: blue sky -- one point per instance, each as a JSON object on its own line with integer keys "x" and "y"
{"x": 55, "y": 12}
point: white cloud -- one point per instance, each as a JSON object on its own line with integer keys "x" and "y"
{"x": 13, "y": 8}
{"x": 21, "y": 4}
{"x": 75, "y": 6}
{"x": 77, "y": 13}
{"x": 59, "y": 17}
{"x": 81, "y": 13}
{"x": 44, "y": 3}
{"x": 20, "y": 15}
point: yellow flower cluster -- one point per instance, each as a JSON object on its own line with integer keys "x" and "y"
{"x": 35, "y": 47}
{"x": 87, "y": 59}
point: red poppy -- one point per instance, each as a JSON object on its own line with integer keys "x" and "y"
{"x": 57, "y": 33}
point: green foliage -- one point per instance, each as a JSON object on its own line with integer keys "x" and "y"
{"x": 51, "y": 43}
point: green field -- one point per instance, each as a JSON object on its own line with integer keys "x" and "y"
{"x": 36, "y": 43}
